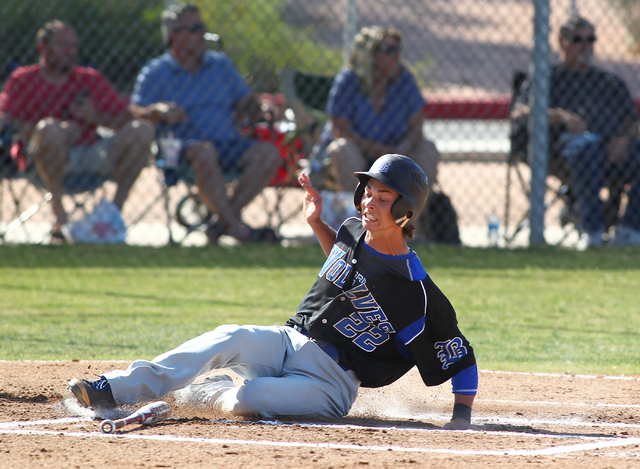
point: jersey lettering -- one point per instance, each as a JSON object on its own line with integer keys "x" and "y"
{"x": 368, "y": 341}
{"x": 450, "y": 351}
{"x": 352, "y": 325}
{"x": 368, "y": 326}
{"x": 335, "y": 254}
{"x": 335, "y": 267}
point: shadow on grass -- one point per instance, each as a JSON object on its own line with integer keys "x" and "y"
{"x": 268, "y": 256}
{"x": 160, "y": 299}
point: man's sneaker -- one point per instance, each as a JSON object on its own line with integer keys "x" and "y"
{"x": 208, "y": 391}
{"x": 96, "y": 393}
{"x": 590, "y": 240}
{"x": 625, "y": 236}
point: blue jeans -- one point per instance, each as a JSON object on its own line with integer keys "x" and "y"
{"x": 589, "y": 169}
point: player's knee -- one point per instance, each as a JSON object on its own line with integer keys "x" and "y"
{"x": 233, "y": 333}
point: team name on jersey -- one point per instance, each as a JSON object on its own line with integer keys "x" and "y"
{"x": 367, "y": 326}
{"x": 335, "y": 268}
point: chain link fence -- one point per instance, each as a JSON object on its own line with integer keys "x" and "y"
{"x": 463, "y": 56}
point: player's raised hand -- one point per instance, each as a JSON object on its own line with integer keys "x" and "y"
{"x": 312, "y": 208}
{"x": 312, "y": 212}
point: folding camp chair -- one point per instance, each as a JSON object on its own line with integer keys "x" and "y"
{"x": 193, "y": 215}
{"x": 307, "y": 95}
{"x": 516, "y": 159}
{"x": 82, "y": 187}
{"x": 559, "y": 168}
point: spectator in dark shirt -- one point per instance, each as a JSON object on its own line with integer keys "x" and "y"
{"x": 594, "y": 128}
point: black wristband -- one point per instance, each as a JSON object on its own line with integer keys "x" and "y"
{"x": 461, "y": 411}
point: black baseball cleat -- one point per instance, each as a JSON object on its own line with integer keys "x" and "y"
{"x": 96, "y": 393}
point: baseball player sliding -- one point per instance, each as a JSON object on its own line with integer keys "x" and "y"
{"x": 372, "y": 314}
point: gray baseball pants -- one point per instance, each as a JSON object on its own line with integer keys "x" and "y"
{"x": 285, "y": 373}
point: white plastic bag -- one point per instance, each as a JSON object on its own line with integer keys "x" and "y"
{"x": 103, "y": 226}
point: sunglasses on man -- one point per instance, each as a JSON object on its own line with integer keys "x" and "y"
{"x": 389, "y": 49}
{"x": 192, "y": 28}
{"x": 583, "y": 39}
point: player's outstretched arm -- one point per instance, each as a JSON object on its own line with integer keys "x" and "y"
{"x": 312, "y": 211}
{"x": 461, "y": 419}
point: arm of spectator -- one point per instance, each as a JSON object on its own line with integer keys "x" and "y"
{"x": 341, "y": 128}
{"x": 414, "y": 134}
{"x": 618, "y": 147}
{"x": 557, "y": 116}
{"x": 248, "y": 107}
{"x": 84, "y": 110}
{"x": 169, "y": 113}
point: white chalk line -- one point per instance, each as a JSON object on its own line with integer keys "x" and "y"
{"x": 600, "y": 444}
{"x": 562, "y": 375}
{"x": 570, "y": 423}
{"x": 29, "y": 423}
{"x": 32, "y": 423}
{"x": 617, "y": 442}
{"x": 578, "y": 404}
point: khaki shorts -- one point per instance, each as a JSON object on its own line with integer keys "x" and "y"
{"x": 95, "y": 158}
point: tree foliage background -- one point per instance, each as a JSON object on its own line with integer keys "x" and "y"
{"x": 119, "y": 36}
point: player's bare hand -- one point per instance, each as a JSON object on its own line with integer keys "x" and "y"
{"x": 457, "y": 424}
{"x": 312, "y": 208}
{"x": 170, "y": 113}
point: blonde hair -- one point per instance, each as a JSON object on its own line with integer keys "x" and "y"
{"x": 364, "y": 51}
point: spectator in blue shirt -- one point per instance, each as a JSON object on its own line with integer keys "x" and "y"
{"x": 197, "y": 95}
{"x": 375, "y": 107}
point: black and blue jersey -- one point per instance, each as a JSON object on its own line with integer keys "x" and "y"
{"x": 384, "y": 315}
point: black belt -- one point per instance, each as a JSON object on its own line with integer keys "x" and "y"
{"x": 325, "y": 345}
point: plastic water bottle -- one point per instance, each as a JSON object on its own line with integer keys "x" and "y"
{"x": 170, "y": 151}
{"x": 493, "y": 225}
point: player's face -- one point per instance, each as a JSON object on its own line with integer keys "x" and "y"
{"x": 61, "y": 53}
{"x": 188, "y": 36}
{"x": 577, "y": 49}
{"x": 377, "y": 201}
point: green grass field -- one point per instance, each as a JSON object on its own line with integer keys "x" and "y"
{"x": 543, "y": 309}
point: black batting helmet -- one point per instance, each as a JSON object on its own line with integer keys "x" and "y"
{"x": 404, "y": 176}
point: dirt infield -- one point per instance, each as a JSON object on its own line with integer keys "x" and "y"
{"x": 520, "y": 420}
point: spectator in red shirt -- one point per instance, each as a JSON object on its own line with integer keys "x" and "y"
{"x": 56, "y": 106}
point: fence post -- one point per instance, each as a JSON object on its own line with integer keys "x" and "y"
{"x": 349, "y": 32}
{"x": 539, "y": 128}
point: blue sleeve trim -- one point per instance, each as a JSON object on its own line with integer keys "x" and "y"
{"x": 466, "y": 381}
{"x": 412, "y": 331}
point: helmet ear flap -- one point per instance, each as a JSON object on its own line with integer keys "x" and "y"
{"x": 357, "y": 195}
{"x": 402, "y": 211}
